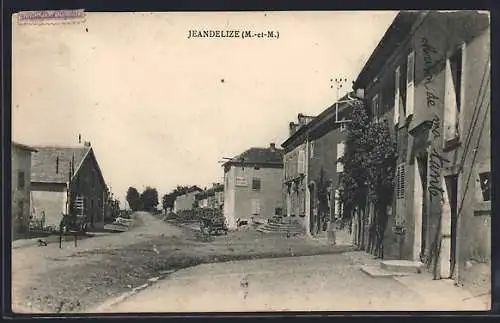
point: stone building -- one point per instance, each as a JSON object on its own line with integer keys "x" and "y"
{"x": 252, "y": 186}
{"x": 429, "y": 77}
{"x": 68, "y": 180}
{"x": 21, "y": 187}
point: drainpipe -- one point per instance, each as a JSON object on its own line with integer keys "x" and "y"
{"x": 308, "y": 193}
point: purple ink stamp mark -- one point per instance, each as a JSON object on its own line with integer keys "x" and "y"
{"x": 51, "y": 16}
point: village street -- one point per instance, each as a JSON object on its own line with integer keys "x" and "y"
{"x": 93, "y": 276}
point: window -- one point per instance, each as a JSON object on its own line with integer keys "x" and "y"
{"x": 396, "y": 95}
{"x": 256, "y": 184}
{"x": 453, "y": 83}
{"x": 400, "y": 181}
{"x": 410, "y": 86}
{"x": 21, "y": 181}
{"x": 485, "y": 183}
{"x": 375, "y": 107}
{"x": 301, "y": 163}
{"x": 311, "y": 145}
{"x": 278, "y": 211}
{"x": 340, "y": 154}
{"x": 255, "y": 206}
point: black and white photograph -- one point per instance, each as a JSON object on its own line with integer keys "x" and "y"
{"x": 250, "y": 161}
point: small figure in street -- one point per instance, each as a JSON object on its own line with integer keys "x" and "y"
{"x": 244, "y": 285}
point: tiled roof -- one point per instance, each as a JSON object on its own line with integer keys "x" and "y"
{"x": 330, "y": 110}
{"x": 259, "y": 156}
{"x": 211, "y": 191}
{"x": 44, "y": 166}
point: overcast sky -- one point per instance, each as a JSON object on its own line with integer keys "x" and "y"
{"x": 152, "y": 102}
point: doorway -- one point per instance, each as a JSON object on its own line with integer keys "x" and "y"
{"x": 422, "y": 170}
{"x": 452, "y": 189}
{"x": 313, "y": 221}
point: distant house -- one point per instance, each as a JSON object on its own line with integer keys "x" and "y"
{"x": 212, "y": 198}
{"x": 252, "y": 185}
{"x": 311, "y": 168}
{"x": 21, "y": 170}
{"x": 62, "y": 178}
{"x": 187, "y": 200}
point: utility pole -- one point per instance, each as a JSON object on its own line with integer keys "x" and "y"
{"x": 336, "y": 83}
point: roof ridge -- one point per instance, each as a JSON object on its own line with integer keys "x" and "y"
{"x": 61, "y": 147}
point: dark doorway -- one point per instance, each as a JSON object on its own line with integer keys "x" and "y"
{"x": 313, "y": 222}
{"x": 452, "y": 188}
{"x": 422, "y": 169}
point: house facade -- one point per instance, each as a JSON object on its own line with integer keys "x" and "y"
{"x": 21, "y": 186}
{"x": 68, "y": 180}
{"x": 252, "y": 186}
{"x": 186, "y": 201}
{"x": 429, "y": 78}
{"x": 311, "y": 169}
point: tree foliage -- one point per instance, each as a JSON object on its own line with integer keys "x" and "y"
{"x": 149, "y": 199}
{"x": 354, "y": 179}
{"x": 369, "y": 171}
{"x": 133, "y": 198}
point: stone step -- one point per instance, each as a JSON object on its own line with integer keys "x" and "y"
{"x": 402, "y": 266}
{"x": 377, "y": 271}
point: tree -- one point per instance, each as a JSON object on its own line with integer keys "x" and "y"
{"x": 354, "y": 179}
{"x": 133, "y": 198}
{"x": 149, "y": 199}
{"x": 369, "y": 170}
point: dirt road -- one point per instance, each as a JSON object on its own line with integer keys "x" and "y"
{"x": 49, "y": 279}
{"x": 68, "y": 279}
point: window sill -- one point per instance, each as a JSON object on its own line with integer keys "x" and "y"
{"x": 452, "y": 144}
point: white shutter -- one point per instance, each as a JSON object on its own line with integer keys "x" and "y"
{"x": 301, "y": 162}
{"x": 340, "y": 153}
{"x": 450, "y": 104}
{"x": 410, "y": 83}
{"x": 396, "y": 95}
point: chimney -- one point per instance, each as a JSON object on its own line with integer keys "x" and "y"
{"x": 86, "y": 143}
{"x": 272, "y": 146}
{"x": 292, "y": 126}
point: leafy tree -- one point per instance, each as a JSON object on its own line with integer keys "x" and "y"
{"x": 149, "y": 199}
{"x": 369, "y": 169}
{"x": 133, "y": 198}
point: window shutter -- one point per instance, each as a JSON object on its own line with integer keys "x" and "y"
{"x": 396, "y": 95}
{"x": 410, "y": 83}
{"x": 400, "y": 181}
{"x": 301, "y": 162}
{"x": 340, "y": 153}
